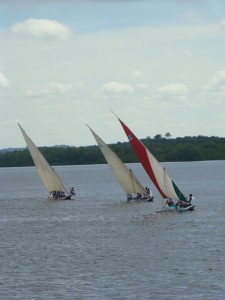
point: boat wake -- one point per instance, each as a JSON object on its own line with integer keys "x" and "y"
{"x": 152, "y": 216}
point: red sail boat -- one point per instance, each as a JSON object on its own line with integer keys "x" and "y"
{"x": 172, "y": 195}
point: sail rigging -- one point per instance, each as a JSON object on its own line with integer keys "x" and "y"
{"x": 162, "y": 181}
{"x": 123, "y": 174}
{"x": 46, "y": 173}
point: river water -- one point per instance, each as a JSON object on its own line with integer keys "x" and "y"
{"x": 98, "y": 246}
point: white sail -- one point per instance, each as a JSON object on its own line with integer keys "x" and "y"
{"x": 47, "y": 175}
{"x": 125, "y": 177}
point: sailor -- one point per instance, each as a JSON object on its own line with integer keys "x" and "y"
{"x": 72, "y": 191}
{"x": 190, "y": 198}
{"x": 129, "y": 197}
{"x": 150, "y": 193}
{"x": 147, "y": 190}
{"x": 170, "y": 202}
{"x": 138, "y": 196}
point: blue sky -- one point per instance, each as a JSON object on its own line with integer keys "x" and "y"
{"x": 160, "y": 65}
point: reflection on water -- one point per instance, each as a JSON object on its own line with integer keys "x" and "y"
{"x": 98, "y": 246}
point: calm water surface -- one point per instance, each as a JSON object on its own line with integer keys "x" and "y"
{"x": 97, "y": 246}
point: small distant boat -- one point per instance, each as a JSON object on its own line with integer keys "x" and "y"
{"x": 130, "y": 184}
{"x": 172, "y": 196}
{"x": 46, "y": 173}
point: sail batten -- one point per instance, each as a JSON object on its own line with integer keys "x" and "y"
{"x": 46, "y": 173}
{"x": 123, "y": 174}
{"x": 162, "y": 181}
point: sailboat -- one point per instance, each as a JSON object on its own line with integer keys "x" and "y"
{"x": 46, "y": 173}
{"x": 124, "y": 175}
{"x": 172, "y": 196}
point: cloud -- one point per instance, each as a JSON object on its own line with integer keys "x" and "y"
{"x": 176, "y": 93}
{"x": 49, "y": 89}
{"x": 136, "y": 73}
{"x": 214, "y": 91}
{"x": 42, "y": 28}
{"x": 143, "y": 86}
{"x": 217, "y": 83}
{"x": 3, "y": 80}
{"x": 173, "y": 89}
{"x": 114, "y": 87}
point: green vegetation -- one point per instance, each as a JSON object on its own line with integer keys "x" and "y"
{"x": 163, "y": 148}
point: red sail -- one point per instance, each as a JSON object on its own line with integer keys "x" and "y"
{"x": 141, "y": 153}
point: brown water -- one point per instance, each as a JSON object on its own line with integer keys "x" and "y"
{"x": 97, "y": 246}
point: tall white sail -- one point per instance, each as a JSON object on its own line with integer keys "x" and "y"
{"x": 125, "y": 177}
{"x": 47, "y": 175}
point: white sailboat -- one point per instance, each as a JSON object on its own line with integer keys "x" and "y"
{"x": 130, "y": 184}
{"x": 46, "y": 173}
{"x": 172, "y": 195}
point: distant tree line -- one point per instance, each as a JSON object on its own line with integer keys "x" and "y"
{"x": 165, "y": 149}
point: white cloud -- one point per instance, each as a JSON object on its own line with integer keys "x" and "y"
{"x": 217, "y": 82}
{"x": 214, "y": 91}
{"x": 52, "y": 88}
{"x": 136, "y": 73}
{"x": 42, "y": 28}
{"x": 174, "y": 89}
{"x": 173, "y": 93}
{"x": 114, "y": 87}
{"x": 143, "y": 86}
{"x": 3, "y": 80}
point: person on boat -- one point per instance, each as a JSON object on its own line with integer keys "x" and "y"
{"x": 138, "y": 196}
{"x": 190, "y": 198}
{"x": 184, "y": 204}
{"x": 72, "y": 191}
{"x": 148, "y": 195}
{"x": 53, "y": 194}
{"x": 147, "y": 190}
{"x": 129, "y": 197}
{"x": 170, "y": 202}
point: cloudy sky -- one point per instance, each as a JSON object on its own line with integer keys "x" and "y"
{"x": 159, "y": 65}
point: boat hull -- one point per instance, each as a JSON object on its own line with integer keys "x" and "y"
{"x": 68, "y": 197}
{"x": 180, "y": 208}
{"x": 144, "y": 199}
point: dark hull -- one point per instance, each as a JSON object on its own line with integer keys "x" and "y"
{"x": 180, "y": 208}
{"x": 146, "y": 199}
{"x": 68, "y": 197}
